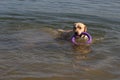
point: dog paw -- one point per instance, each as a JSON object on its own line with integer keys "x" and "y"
{"x": 61, "y": 30}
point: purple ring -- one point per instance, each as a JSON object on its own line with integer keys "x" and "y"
{"x": 83, "y": 33}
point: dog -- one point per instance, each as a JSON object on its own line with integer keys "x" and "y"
{"x": 78, "y": 28}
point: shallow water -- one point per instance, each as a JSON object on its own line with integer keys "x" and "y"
{"x": 29, "y": 50}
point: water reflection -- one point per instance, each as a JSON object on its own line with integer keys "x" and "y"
{"x": 82, "y": 49}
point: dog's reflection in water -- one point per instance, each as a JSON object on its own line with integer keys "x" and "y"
{"x": 80, "y": 56}
{"x": 81, "y": 51}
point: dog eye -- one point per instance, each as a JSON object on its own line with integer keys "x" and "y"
{"x": 79, "y": 27}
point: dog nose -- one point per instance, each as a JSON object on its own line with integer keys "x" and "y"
{"x": 76, "y": 33}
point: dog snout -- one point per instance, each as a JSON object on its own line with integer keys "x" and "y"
{"x": 76, "y": 33}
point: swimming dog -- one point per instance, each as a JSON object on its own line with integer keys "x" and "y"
{"x": 78, "y": 28}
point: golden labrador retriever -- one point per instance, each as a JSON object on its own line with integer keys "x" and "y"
{"x": 78, "y": 28}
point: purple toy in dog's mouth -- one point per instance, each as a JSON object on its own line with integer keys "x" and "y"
{"x": 73, "y": 39}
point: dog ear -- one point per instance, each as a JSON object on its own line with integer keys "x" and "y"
{"x": 74, "y": 26}
{"x": 85, "y": 30}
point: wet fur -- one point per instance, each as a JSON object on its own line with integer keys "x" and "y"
{"x": 78, "y": 28}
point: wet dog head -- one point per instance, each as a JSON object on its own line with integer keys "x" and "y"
{"x": 79, "y": 28}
